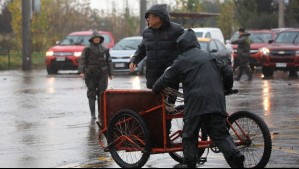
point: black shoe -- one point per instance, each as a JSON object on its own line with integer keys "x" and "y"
{"x": 181, "y": 166}
{"x": 237, "y": 161}
{"x": 191, "y": 165}
{"x": 237, "y": 79}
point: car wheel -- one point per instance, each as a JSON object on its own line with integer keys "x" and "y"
{"x": 52, "y": 71}
{"x": 293, "y": 73}
{"x": 268, "y": 72}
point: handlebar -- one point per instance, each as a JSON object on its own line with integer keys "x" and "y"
{"x": 169, "y": 91}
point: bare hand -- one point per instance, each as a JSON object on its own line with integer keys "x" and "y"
{"x": 132, "y": 67}
{"x": 82, "y": 75}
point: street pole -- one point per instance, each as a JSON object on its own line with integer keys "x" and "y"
{"x": 143, "y": 6}
{"x": 281, "y": 14}
{"x": 26, "y": 32}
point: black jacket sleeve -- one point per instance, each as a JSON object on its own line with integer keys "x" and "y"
{"x": 139, "y": 54}
{"x": 109, "y": 63}
{"x": 226, "y": 72}
{"x": 170, "y": 76}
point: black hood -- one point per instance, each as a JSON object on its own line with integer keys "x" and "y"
{"x": 161, "y": 11}
{"x": 96, "y": 34}
{"x": 187, "y": 41}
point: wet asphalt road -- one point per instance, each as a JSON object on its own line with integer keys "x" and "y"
{"x": 45, "y": 120}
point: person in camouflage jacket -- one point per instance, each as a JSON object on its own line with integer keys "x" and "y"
{"x": 95, "y": 66}
{"x": 243, "y": 54}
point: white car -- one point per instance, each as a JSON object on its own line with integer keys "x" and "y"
{"x": 205, "y": 32}
{"x": 122, "y": 52}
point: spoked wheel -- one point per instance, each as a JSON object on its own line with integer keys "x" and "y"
{"x": 175, "y": 137}
{"x": 257, "y": 144}
{"x": 128, "y": 140}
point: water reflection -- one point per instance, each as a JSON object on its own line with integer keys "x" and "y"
{"x": 136, "y": 83}
{"x": 267, "y": 97}
{"x": 51, "y": 82}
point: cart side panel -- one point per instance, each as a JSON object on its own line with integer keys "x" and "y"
{"x": 154, "y": 122}
{"x": 138, "y": 101}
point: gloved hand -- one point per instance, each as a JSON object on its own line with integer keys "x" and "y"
{"x": 231, "y": 92}
{"x": 155, "y": 90}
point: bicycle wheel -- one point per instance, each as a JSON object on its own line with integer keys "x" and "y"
{"x": 258, "y": 146}
{"x": 128, "y": 140}
{"x": 175, "y": 138}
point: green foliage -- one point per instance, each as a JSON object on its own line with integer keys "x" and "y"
{"x": 59, "y": 18}
{"x": 189, "y": 5}
{"x": 292, "y": 14}
{"x": 226, "y": 20}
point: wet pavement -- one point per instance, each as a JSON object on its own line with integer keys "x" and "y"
{"x": 45, "y": 120}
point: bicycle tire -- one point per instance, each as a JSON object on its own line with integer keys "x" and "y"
{"x": 127, "y": 123}
{"x": 179, "y": 156}
{"x": 263, "y": 153}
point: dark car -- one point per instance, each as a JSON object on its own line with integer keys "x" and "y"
{"x": 216, "y": 47}
{"x": 282, "y": 54}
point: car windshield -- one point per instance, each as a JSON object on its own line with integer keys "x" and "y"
{"x": 199, "y": 34}
{"x": 255, "y": 37}
{"x": 203, "y": 45}
{"x": 260, "y": 37}
{"x": 288, "y": 37}
{"x": 127, "y": 44}
{"x": 81, "y": 40}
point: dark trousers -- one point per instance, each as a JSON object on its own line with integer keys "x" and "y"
{"x": 96, "y": 84}
{"x": 215, "y": 126}
{"x": 244, "y": 66}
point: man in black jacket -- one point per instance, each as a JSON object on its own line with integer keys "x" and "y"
{"x": 158, "y": 44}
{"x": 204, "y": 80}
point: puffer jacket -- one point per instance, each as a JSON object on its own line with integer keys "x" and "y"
{"x": 96, "y": 58}
{"x": 204, "y": 81}
{"x": 159, "y": 45}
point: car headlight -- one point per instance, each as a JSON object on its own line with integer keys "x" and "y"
{"x": 265, "y": 51}
{"x": 78, "y": 54}
{"x": 49, "y": 53}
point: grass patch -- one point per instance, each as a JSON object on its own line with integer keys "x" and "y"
{"x": 13, "y": 60}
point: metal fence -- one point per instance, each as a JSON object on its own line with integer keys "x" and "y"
{"x": 6, "y": 53}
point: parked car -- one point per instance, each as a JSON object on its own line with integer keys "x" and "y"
{"x": 282, "y": 54}
{"x": 259, "y": 39}
{"x": 65, "y": 55}
{"x": 122, "y": 52}
{"x": 216, "y": 47}
{"x": 213, "y": 33}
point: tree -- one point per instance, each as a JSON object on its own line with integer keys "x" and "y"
{"x": 189, "y": 6}
{"x": 5, "y": 20}
{"x": 226, "y": 21}
{"x": 292, "y": 15}
{"x": 256, "y": 14}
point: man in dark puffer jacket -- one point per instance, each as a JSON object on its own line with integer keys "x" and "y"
{"x": 158, "y": 44}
